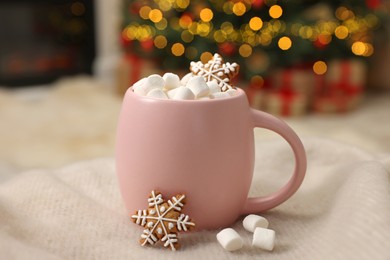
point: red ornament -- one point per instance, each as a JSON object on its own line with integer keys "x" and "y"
{"x": 257, "y": 4}
{"x": 124, "y": 41}
{"x": 373, "y": 4}
{"x": 319, "y": 44}
{"x": 227, "y": 48}
{"x": 135, "y": 7}
{"x": 147, "y": 45}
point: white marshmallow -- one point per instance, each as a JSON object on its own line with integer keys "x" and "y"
{"x": 251, "y": 222}
{"x": 264, "y": 238}
{"x": 213, "y": 86}
{"x": 198, "y": 86}
{"x": 218, "y": 95}
{"x": 185, "y": 79}
{"x": 183, "y": 93}
{"x": 171, "y": 81}
{"x": 139, "y": 89}
{"x": 157, "y": 93}
{"x": 139, "y": 82}
{"x": 152, "y": 82}
{"x": 230, "y": 239}
{"x": 204, "y": 98}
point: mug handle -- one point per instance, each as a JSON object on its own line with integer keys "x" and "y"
{"x": 267, "y": 121}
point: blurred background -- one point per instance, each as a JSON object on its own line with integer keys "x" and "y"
{"x": 323, "y": 66}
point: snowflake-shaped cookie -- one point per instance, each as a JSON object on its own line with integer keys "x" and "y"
{"x": 163, "y": 220}
{"x": 216, "y": 69}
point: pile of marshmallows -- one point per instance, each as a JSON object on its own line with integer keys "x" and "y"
{"x": 190, "y": 87}
{"x": 263, "y": 237}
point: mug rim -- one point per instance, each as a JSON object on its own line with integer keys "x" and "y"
{"x": 240, "y": 93}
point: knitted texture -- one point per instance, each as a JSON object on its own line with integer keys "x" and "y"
{"x": 342, "y": 211}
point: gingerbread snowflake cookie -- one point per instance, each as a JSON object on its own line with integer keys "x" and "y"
{"x": 216, "y": 69}
{"x": 163, "y": 220}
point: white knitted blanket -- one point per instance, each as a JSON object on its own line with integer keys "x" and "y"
{"x": 342, "y": 211}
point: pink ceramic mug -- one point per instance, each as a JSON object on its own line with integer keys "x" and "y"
{"x": 201, "y": 148}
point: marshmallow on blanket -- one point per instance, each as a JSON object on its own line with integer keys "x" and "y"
{"x": 230, "y": 239}
{"x": 251, "y": 222}
{"x": 264, "y": 238}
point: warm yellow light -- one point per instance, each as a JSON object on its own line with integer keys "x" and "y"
{"x": 177, "y": 49}
{"x": 275, "y": 11}
{"x": 165, "y": 5}
{"x": 369, "y": 50}
{"x": 255, "y": 23}
{"x": 359, "y": 48}
{"x": 161, "y": 25}
{"x": 186, "y": 36}
{"x": 265, "y": 39}
{"x": 342, "y": 13}
{"x": 245, "y": 50}
{"x": 203, "y": 29}
{"x": 227, "y": 7}
{"x": 372, "y": 20}
{"x": 227, "y": 27}
{"x": 206, "y": 15}
{"x": 144, "y": 12}
{"x": 143, "y": 32}
{"x": 341, "y": 32}
{"x": 219, "y": 36}
{"x": 160, "y": 42}
{"x": 205, "y": 57}
{"x": 128, "y": 33}
{"x": 295, "y": 28}
{"x": 155, "y": 15}
{"x": 285, "y": 43}
{"x": 275, "y": 25}
{"x": 362, "y": 49}
{"x": 239, "y": 9}
{"x": 183, "y": 4}
{"x": 193, "y": 28}
{"x": 306, "y": 32}
{"x": 320, "y": 67}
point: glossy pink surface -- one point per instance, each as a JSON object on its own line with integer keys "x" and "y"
{"x": 204, "y": 149}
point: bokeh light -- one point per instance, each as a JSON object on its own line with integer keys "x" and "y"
{"x": 160, "y": 42}
{"x": 239, "y": 9}
{"x": 245, "y": 50}
{"x": 285, "y": 43}
{"x": 320, "y": 67}
{"x": 155, "y": 15}
{"x": 255, "y": 23}
{"x": 178, "y": 49}
{"x": 341, "y": 32}
{"x": 275, "y": 11}
{"x": 206, "y": 56}
{"x": 144, "y": 12}
{"x": 206, "y": 15}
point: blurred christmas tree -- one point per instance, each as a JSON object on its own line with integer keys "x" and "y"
{"x": 259, "y": 35}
